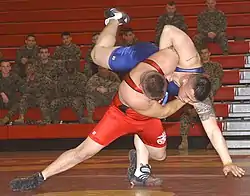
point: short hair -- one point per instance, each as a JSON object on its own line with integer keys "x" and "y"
{"x": 202, "y": 87}
{"x": 125, "y": 31}
{"x": 203, "y": 47}
{"x": 95, "y": 34}
{"x": 171, "y": 3}
{"x": 43, "y": 47}
{"x": 65, "y": 34}
{"x": 30, "y": 35}
{"x": 4, "y": 61}
{"x": 154, "y": 85}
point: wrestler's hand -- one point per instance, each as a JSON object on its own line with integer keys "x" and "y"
{"x": 234, "y": 169}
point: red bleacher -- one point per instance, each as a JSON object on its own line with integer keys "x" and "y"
{"x": 47, "y": 19}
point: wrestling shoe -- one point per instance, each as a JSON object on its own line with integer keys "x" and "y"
{"x": 27, "y": 183}
{"x": 114, "y": 14}
{"x": 132, "y": 166}
{"x": 146, "y": 179}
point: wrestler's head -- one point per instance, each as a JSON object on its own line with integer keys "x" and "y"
{"x": 194, "y": 87}
{"x": 153, "y": 85}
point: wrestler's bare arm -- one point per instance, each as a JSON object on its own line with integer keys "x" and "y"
{"x": 207, "y": 116}
{"x": 156, "y": 110}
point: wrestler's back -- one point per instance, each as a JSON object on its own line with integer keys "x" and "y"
{"x": 166, "y": 59}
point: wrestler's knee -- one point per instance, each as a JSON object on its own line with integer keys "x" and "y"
{"x": 159, "y": 156}
{"x": 87, "y": 149}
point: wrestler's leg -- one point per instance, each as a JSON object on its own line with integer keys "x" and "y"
{"x": 139, "y": 172}
{"x": 67, "y": 160}
{"x": 144, "y": 152}
{"x": 105, "y": 44}
{"x": 173, "y": 37}
{"x": 72, "y": 157}
{"x": 107, "y": 39}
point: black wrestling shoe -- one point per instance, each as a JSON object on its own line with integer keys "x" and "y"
{"x": 115, "y": 14}
{"x": 132, "y": 166}
{"x": 27, "y": 183}
{"x": 146, "y": 179}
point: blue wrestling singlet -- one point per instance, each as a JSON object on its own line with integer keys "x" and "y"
{"x": 124, "y": 59}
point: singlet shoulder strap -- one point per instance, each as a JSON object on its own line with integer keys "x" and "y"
{"x": 154, "y": 64}
{"x": 131, "y": 83}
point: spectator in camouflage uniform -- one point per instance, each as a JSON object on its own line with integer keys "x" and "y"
{"x": 70, "y": 93}
{"x": 212, "y": 24}
{"x": 68, "y": 52}
{"x": 47, "y": 66}
{"x": 170, "y": 18}
{"x": 37, "y": 92}
{"x": 28, "y": 51}
{"x": 10, "y": 84}
{"x": 100, "y": 90}
{"x": 90, "y": 68}
{"x": 189, "y": 116}
{"x": 128, "y": 37}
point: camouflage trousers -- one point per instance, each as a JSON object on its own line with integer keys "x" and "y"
{"x": 200, "y": 40}
{"x": 76, "y": 103}
{"x": 186, "y": 121}
{"x": 12, "y": 106}
{"x": 96, "y": 99}
{"x": 30, "y": 101}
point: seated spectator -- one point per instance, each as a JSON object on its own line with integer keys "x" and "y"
{"x": 90, "y": 68}
{"x": 28, "y": 51}
{"x": 48, "y": 67}
{"x": 189, "y": 116}
{"x": 128, "y": 37}
{"x": 171, "y": 17}
{"x": 100, "y": 90}
{"x": 37, "y": 92}
{"x": 70, "y": 93}
{"x": 20, "y": 68}
{"x": 212, "y": 24}
{"x": 68, "y": 51}
{"x": 10, "y": 84}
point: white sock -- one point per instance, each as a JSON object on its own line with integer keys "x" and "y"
{"x": 139, "y": 173}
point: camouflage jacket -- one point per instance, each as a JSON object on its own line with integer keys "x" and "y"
{"x": 11, "y": 85}
{"x": 72, "y": 85}
{"x": 25, "y": 52}
{"x": 177, "y": 20}
{"x": 111, "y": 82}
{"x": 67, "y": 52}
{"x": 211, "y": 21}
{"x": 215, "y": 72}
{"x": 52, "y": 69}
{"x": 39, "y": 87}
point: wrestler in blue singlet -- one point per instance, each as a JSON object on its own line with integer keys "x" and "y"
{"x": 124, "y": 59}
